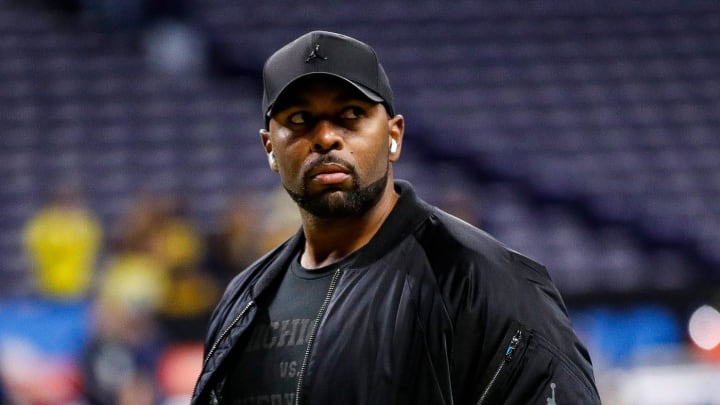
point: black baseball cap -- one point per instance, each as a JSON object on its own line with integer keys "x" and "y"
{"x": 331, "y": 54}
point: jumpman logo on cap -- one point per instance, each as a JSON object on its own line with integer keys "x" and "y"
{"x": 315, "y": 54}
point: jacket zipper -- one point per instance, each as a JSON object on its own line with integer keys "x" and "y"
{"x": 509, "y": 352}
{"x": 311, "y": 339}
{"x": 219, "y": 339}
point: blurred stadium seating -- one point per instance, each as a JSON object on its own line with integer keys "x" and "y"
{"x": 585, "y": 134}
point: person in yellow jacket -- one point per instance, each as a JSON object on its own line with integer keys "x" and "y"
{"x": 62, "y": 242}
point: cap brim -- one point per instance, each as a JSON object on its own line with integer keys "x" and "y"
{"x": 369, "y": 94}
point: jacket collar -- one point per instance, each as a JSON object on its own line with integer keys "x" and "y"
{"x": 409, "y": 212}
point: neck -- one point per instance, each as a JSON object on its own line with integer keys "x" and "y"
{"x": 328, "y": 240}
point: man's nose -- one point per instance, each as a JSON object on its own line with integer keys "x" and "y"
{"x": 327, "y": 137}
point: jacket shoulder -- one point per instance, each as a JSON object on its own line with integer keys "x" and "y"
{"x": 466, "y": 259}
{"x": 473, "y": 249}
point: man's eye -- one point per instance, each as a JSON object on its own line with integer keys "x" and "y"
{"x": 351, "y": 113}
{"x": 298, "y": 118}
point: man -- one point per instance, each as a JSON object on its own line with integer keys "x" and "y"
{"x": 379, "y": 298}
{"x": 63, "y": 241}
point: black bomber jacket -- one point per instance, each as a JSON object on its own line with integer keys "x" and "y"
{"x": 432, "y": 311}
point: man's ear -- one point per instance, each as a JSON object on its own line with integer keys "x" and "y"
{"x": 267, "y": 144}
{"x": 396, "y": 130}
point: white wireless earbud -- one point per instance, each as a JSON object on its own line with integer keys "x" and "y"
{"x": 271, "y": 159}
{"x": 393, "y": 145}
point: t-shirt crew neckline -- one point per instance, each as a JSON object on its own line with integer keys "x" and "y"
{"x": 320, "y": 272}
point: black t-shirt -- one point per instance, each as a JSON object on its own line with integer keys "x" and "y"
{"x": 264, "y": 368}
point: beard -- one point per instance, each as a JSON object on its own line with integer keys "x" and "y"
{"x": 338, "y": 203}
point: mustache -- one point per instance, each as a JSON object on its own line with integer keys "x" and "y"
{"x": 324, "y": 160}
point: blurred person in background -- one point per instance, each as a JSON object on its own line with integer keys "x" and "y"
{"x": 62, "y": 242}
{"x": 153, "y": 294}
{"x": 192, "y": 291}
{"x": 157, "y": 230}
{"x": 379, "y": 298}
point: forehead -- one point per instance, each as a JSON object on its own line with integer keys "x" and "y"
{"x": 310, "y": 90}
